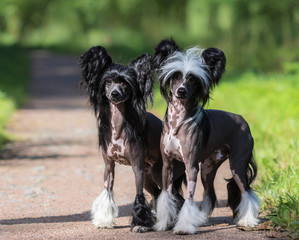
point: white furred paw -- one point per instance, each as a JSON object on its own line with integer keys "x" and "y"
{"x": 166, "y": 211}
{"x": 140, "y": 229}
{"x": 104, "y": 211}
{"x": 189, "y": 218}
{"x": 248, "y": 210}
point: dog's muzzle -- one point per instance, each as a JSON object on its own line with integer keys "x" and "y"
{"x": 116, "y": 96}
{"x": 181, "y": 93}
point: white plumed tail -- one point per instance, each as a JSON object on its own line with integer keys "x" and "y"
{"x": 189, "y": 218}
{"x": 166, "y": 211}
{"x": 104, "y": 210}
{"x": 248, "y": 210}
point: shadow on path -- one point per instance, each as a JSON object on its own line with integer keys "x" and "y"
{"x": 124, "y": 211}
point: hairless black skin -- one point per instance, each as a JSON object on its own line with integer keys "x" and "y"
{"x": 193, "y": 135}
{"x": 127, "y": 133}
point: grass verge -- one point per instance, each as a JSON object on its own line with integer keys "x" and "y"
{"x": 14, "y": 77}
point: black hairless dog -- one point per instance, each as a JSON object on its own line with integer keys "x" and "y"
{"x": 193, "y": 135}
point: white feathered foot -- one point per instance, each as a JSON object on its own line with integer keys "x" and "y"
{"x": 189, "y": 218}
{"x": 166, "y": 211}
{"x": 104, "y": 210}
{"x": 248, "y": 210}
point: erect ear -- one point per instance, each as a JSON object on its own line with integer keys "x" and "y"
{"x": 215, "y": 60}
{"x": 143, "y": 66}
{"x": 93, "y": 63}
{"x": 163, "y": 50}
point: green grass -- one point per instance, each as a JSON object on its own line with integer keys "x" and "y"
{"x": 14, "y": 77}
{"x": 270, "y": 104}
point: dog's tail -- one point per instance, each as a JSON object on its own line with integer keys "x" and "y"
{"x": 251, "y": 170}
{"x": 234, "y": 193}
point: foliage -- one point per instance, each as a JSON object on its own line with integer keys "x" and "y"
{"x": 14, "y": 77}
{"x": 255, "y": 35}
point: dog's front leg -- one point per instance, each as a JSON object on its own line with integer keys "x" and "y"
{"x": 104, "y": 210}
{"x": 167, "y": 203}
{"x": 142, "y": 217}
{"x": 189, "y": 217}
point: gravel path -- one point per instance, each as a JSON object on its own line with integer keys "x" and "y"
{"x": 52, "y": 173}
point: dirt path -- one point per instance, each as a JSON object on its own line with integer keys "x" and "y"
{"x": 51, "y": 175}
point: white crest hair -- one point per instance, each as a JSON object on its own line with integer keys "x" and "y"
{"x": 190, "y": 62}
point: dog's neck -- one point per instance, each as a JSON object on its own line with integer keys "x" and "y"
{"x": 181, "y": 112}
{"x": 117, "y": 119}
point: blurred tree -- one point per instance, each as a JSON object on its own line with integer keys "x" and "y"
{"x": 255, "y": 34}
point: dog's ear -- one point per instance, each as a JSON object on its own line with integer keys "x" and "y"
{"x": 163, "y": 50}
{"x": 143, "y": 66}
{"x": 215, "y": 60}
{"x": 93, "y": 63}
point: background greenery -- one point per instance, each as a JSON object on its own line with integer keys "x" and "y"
{"x": 256, "y": 34}
{"x": 259, "y": 37}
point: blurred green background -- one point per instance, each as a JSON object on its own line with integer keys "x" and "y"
{"x": 259, "y": 37}
{"x": 256, "y": 34}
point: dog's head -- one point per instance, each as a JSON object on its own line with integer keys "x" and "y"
{"x": 106, "y": 81}
{"x": 188, "y": 75}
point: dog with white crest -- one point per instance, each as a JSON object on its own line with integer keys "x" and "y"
{"x": 127, "y": 133}
{"x": 194, "y": 135}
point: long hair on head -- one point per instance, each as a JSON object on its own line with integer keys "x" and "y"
{"x": 97, "y": 67}
{"x": 93, "y": 64}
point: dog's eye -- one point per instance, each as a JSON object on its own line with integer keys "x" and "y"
{"x": 109, "y": 81}
{"x": 175, "y": 76}
{"x": 192, "y": 78}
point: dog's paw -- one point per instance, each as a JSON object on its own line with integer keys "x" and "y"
{"x": 105, "y": 226}
{"x": 140, "y": 229}
{"x": 183, "y": 233}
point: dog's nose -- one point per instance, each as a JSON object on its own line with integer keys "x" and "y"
{"x": 114, "y": 93}
{"x": 181, "y": 92}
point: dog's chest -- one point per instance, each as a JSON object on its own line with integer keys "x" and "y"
{"x": 172, "y": 145}
{"x": 116, "y": 151}
{"x": 116, "y": 148}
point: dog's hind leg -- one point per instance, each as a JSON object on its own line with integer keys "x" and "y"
{"x": 142, "y": 217}
{"x": 151, "y": 186}
{"x": 209, "y": 169}
{"x": 241, "y": 198}
{"x": 104, "y": 210}
{"x": 189, "y": 217}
